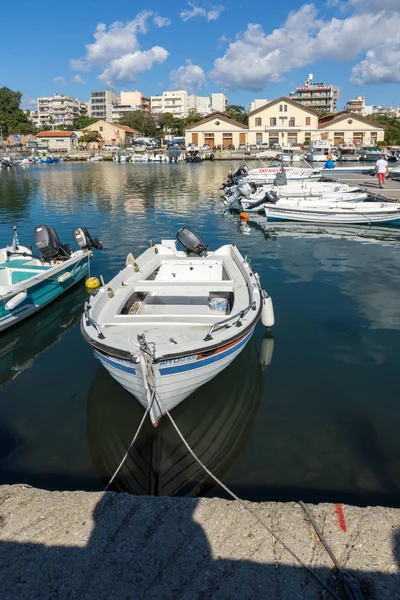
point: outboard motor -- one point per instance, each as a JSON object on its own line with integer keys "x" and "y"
{"x": 245, "y": 189}
{"x": 242, "y": 171}
{"x": 281, "y": 178}
{"x": 271, "y": 197}
{"x": 47, "y": 241}
{"x": 84, "y": 240}
{"x": 192, "y": 242}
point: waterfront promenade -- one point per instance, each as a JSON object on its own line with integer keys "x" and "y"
{"x": 64, "y": 545}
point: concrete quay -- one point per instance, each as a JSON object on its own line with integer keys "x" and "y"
{"x": 66, "y": 545}
{"x": 390, "y": 193}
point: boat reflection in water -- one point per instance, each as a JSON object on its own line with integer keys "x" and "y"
{"x": 216, "y": 421}
{"x": 385, "y": 234}
{"x": 22, "y": 344}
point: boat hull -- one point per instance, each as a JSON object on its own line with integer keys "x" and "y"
{"x": 329, "y": 216}
{"x": 42, "y": 292}
{"x": 175, "y": 379}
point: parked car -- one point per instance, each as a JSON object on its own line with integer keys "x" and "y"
{"x": 264, "y": 146}
{"x": 109, "y": 147}
{"x": 242, "y": 147}
{"x": 253, "y": 147}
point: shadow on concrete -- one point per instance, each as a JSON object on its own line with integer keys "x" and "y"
{"x": 153, "y": 548}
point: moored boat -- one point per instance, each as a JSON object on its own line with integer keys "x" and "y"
{"x": 29, "y": 282}
{"x": 370, "y": 153}
{"x": 171, "y": 320}
{"x": 346, "y": 212}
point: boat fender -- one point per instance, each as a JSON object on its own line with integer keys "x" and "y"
{"x": 16, "y": 300}
{"x": 267, "y": 312}
{"x": 244, "y": 216}
{"x": 266, "y": 350}
{"x": 64, "y": 277}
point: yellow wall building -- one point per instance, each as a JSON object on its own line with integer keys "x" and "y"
{"x": 117, "y": 135}
{"x": 345, "y": 127}
{"x": 218, "y": 129}
{"x": 282, "y": 121}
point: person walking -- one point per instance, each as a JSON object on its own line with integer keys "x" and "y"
{"x": 382, "y": 169}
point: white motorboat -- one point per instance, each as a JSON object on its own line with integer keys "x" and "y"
{"x": 139, "y": 158}
{"x": 319, "y": 151}
{"x": 348, "y": 153}
{"x": 29, "y": 282}
{"x": 95, "y": 159}
{"x": 345, "y": 212}
{"x": 159, "y": 157}
{"x": 172, "y": 320}
{"x": 371, "y": 153}
{"x": 267, "y": 174}
{"x": 311, "y": 200}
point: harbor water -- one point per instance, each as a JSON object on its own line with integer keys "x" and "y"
{"x": 318, "y": 421}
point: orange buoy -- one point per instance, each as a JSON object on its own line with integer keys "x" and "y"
{"x": 244, "y": 216}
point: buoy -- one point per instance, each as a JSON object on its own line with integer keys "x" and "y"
{"x": 244, "y": 216}
{"x": 267, "y": 312}
{"x": 92, "y": 283}
{"x": 16, "y": 300}
{"x": 266, "y": 351}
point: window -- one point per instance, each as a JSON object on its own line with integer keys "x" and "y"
{"x": 285, "y": 107}
{"x": 258, "y": 122}
{"x": 292, "y": 138}
{"x": 292, "y": 122}
{"x": 272, "y": 122}
{"x": 308, "y": 120}
{"x": 100, "y": 128}
{"x": 259, "y": 138}
{"x": 307, "y": 137}
{"x": 281, "y": 108}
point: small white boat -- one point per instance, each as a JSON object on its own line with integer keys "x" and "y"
{"x": 29, "y": 282}
{"x": 140, "y": 158}
{"x": 371, "y": 153}
{"x": 319, "y": 151}
{"x": 172, "y": 320}
{"x": 268, "y": 173}
{"x": 312, "y": 200}
{"x": 348, "y": 153}
{"x": 345, "y": 212}
{"x": 95, "y": 159}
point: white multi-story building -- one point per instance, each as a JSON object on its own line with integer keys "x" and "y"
{"x": 318, "y": 96}
{"x": 58, "y": 110}
{"x": 180, "y": 103}
{"x": 101, "y": 105}
{"x": 258, "y": 103}
{"x": 174, "y": 102}
{"x": 356, "y": 106}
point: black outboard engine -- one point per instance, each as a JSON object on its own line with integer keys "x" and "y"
{"x": 47, "y": 242}
{"x": 84, "y": 240}
{"x": 281, "y": 178}
{"x": 271, "y": 197}
{"x": 192, "y": 242}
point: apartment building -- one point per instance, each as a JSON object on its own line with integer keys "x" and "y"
{"x": 258, "y": 103}
{"x": 180, "y": 103}
{"x": 135, "y": 99}
{"x": 58, "y": 110}
{"x": 356, "y": 106}
{"x": 101, "y": 104}
{"x": 317, "y": 96}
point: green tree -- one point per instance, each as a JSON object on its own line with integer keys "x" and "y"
{"x": 237, "y": 112}
{"x": 143, "y": 122}
{"x": 392, "y": 128}
{"x": 83, "y": 122}
{"x": 90, "y": 136}
{"x": 12, "y": 118}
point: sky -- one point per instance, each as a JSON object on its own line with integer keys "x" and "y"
{"x": 246, "y": 49}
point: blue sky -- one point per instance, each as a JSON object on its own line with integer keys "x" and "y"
{"x": 253, "y": 49}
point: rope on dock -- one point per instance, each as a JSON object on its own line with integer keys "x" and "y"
{"x": 350, "y": 584}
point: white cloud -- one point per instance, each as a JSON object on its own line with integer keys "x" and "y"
{"x": 117, "y": 50}
{"x": 257, "y": 58}
{"x": 223, "y": 39}
{"x": 79, "y": 64}
{"x": 211, "y": 14}
{"x": 381, "y": 65}
{"x": 161, "y": 21}
{"x": 60, "y": 80}
{"x": 78, "y": 79}
{"x": 126, "y": 68}
{"x": 190, "y": 77}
